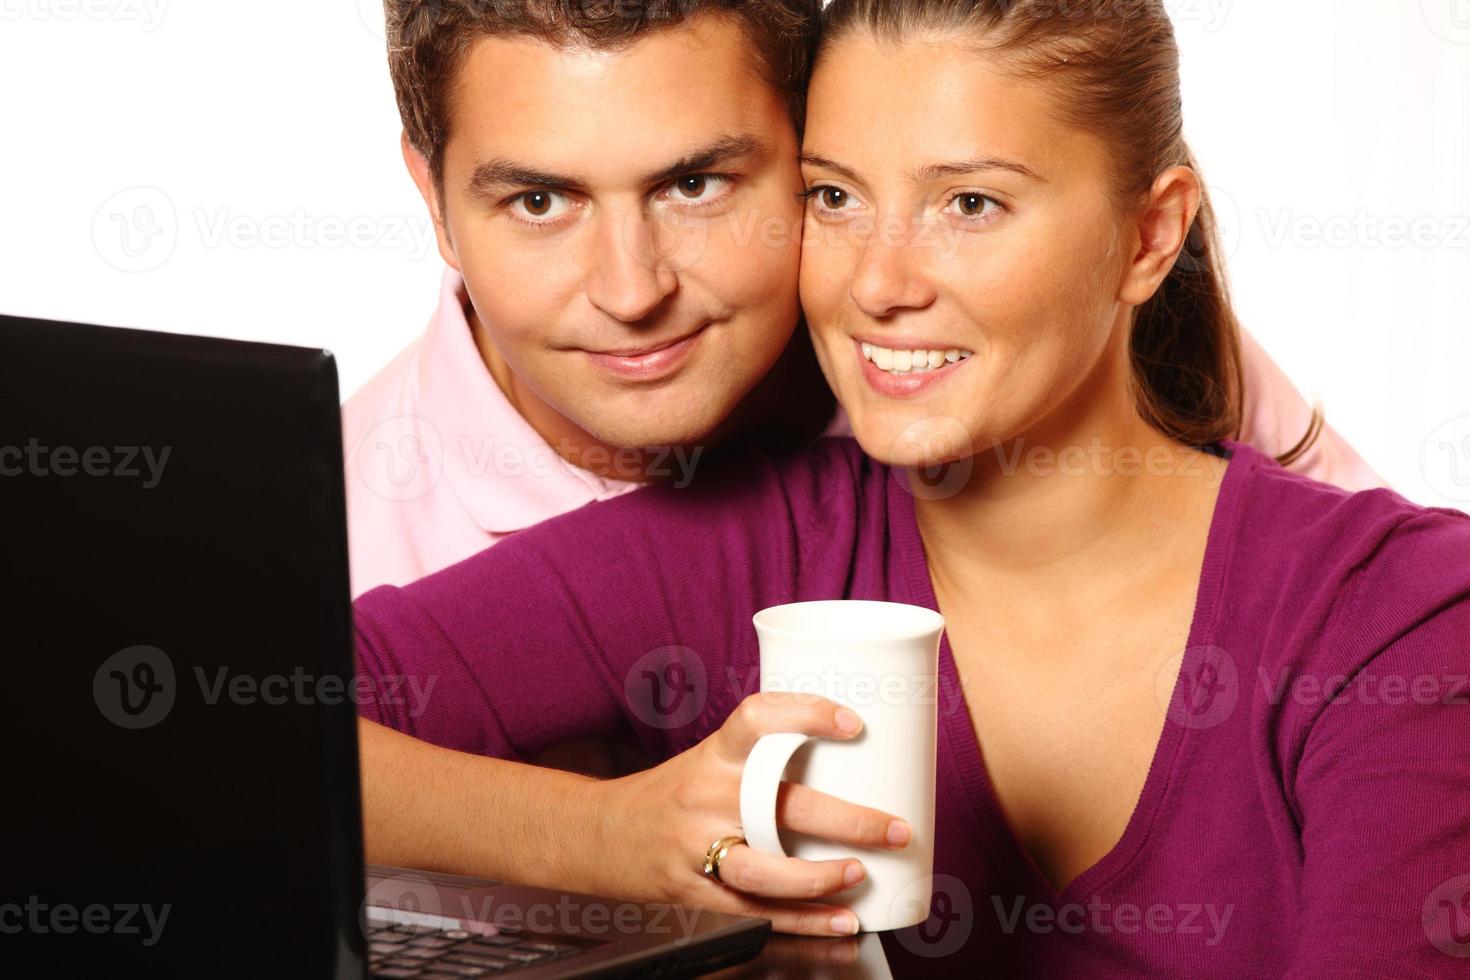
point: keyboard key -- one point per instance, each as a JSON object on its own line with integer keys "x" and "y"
{"x": 419, "y": 952}
{"x": 465, "y": 970}
{"x": 497, "y": 940}
{"x": 521, "y": 955}
{"x": 543, "y": 946}
{"x": 474, "y": 959}
{"x": 390, "y": 936}
{"x": 394, "y": 972}
{"x": 432, "y": 942}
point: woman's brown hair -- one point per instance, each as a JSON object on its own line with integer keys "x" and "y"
{"x": 1115, "y": 66}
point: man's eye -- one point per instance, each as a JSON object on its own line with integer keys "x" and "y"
{"x": 698, "y": 188}
{"x": 541, "y": 206}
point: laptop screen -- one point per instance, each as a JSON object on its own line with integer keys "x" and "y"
{"x": 177, "y": 700}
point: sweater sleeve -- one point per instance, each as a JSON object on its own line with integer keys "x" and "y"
{"x": 1382, "y": 790}
{"x": 627, "y": 617}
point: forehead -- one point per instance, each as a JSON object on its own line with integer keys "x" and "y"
{"x": 562, "y": 107}
{"x": 927, "y": 100}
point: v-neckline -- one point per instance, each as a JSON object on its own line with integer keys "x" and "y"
{"x": 957, "y": 737}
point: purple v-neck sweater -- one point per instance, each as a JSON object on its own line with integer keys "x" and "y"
{"x": 1307, "y": 811}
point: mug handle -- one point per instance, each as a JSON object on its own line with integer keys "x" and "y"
{"x": 759, "y": 782}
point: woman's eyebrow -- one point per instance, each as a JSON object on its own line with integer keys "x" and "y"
{"x": 816, "y": 160}
{"x": 933, "y": 171}
{"x": 959, "y": 168}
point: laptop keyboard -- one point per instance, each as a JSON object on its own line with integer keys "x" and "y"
{"x": 442, "y": 954}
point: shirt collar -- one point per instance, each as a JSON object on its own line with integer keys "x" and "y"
{"x": 504, "y": 473}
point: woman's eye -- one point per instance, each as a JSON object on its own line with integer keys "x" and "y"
{"x": 541, "y": 206}
{"x": 973, "y": 205}
{"x": 698, "y": 188}
{"x": 831, "y": 198}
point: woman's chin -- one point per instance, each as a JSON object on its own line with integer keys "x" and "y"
{"x": 912, "y": 442}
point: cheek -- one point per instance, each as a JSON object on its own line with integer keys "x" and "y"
{"x": 826, "y": 272}
{"x": 749, "y": 272}
{"x": 519, "y": 291}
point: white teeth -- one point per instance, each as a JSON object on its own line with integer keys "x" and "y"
{"x": 904, "y": 362}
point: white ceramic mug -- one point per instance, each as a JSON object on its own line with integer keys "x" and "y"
{"x": 881, "y": 660}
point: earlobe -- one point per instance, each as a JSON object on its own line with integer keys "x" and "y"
{"x": 1163, "y": 231}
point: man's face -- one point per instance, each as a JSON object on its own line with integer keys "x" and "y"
{"x": 627, "y": 224}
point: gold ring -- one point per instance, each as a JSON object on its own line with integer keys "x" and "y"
{"x": 716, "y": 854}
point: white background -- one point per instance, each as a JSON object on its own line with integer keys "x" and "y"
{"x": 250, "y": 153}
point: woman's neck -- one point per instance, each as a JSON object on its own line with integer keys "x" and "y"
{"x": 1090, "y": 489}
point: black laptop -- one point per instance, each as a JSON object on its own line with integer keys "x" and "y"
{"x": 179, "y": 734}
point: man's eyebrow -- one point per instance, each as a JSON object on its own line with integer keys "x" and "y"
{"x": 932, "y": 172}
{"x": 495, "y": 174}
{"x": 717, "y": 153}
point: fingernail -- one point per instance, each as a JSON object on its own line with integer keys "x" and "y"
{"x": 844, "y": 925}
{"x": 899, "y": 833}
{"x": 848, "y": 721}
{"x": 854, "y": 873}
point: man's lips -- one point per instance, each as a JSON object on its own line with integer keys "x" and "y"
{"x": 650, "y": 363}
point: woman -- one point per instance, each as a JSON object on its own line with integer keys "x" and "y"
{"x": 1177, "y": 737}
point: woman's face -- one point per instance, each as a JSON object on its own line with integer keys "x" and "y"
{"x": 963, "y": 255}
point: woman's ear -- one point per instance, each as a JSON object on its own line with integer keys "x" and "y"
{"x": 418, "y": 169}
{"x": 1163, "y": 229}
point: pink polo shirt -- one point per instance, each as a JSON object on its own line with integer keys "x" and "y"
{"x": 440, "y": 466}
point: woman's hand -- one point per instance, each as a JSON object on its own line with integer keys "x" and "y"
{"x": 659, "y": 823}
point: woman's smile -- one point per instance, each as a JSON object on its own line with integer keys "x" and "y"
{"x": 902, "y": 370}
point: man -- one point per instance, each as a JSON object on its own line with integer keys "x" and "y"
{"x": 616, "y": 197}
{"x": 617, "y": 204}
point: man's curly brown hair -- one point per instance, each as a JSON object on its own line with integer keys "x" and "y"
{"x": 427, "y": 40}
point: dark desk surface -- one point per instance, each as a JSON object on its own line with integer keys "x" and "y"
{"x": 800, "y": 958}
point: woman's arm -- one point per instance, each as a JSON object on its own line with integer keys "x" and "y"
{"x": 1382, "y": 791}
